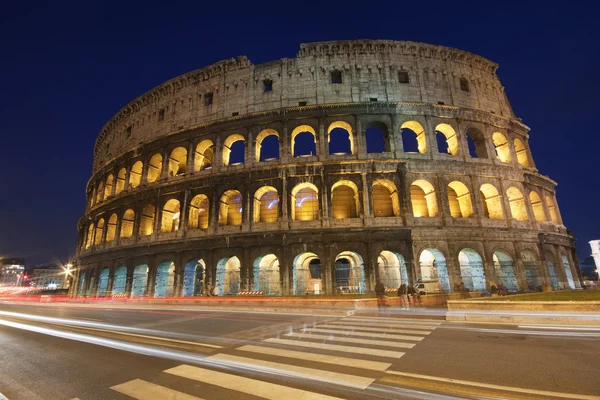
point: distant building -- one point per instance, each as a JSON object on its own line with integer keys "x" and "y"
{"x": 595, "y": 245}
{"x": 11, "y": 271}
{"x": 50, "y": 276}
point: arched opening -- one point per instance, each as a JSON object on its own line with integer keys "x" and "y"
{"x": 111, "y": 228}
{"x": 170, "y": 216}
{"x": 81, "y": 284}
{"x": 103, "y": 282}
{"x": 385, "y": 199}
{"x": 234, "y": 149}
{"x": 177, "y": 161}
{"x": 127, "y": 224}
{"x": 305, "y": 202}
{"x": 491, "y": 202}
{"x": 193, "y": 278}
{"x": 516, "y": 201}
{"x": 100, "y": 192}
{"x": 446, "y": 139}
{"x": 501, "y": 146}
{"x": 344, "y": 200}
{"x": 230, "y": 208}
{"x": 459, "y": 200}
{"x": 198, "y": 218}
{"x": 267, "y": 145}
{"x": 119, "y": 280}
{"x": 266, "y": 207}
{"x": 433, "y": 268}
{"x": 90, "y": 235}
{"x": 349, "y": 273}
{"x": 164, "y": 285}
{"x": 99, "y": 232}
{"x": 477, "y": 143}
{"x": 392, "y": 269}
{"x": 140, "y": 278}
{"x": 537, "y": 206}
{"x": 147, "y": 220}
{"x": 203, "y": 159}
{"x": 307, "y": 274}
{"x": 108, "y": 187}
{"x": 552, "y": 209}
{"x": 154, "y": 168}
{"x": 304, "y": 141}
{"x": 471, "y": 270}
{"x": 521, "y": 151}
{"x": 413, "y": 137}
{"x": 422, "y": 198}
{"x": 377, "y": 137}
{"x": 135, "y": 174}
{"x": 120, "y": 184}
{"x": 530, "y": 263}
{"x": 505, "y": 270}
{"x": 340, "y": 138}
{"x": 228, "y": 276}
{"x": 568, "y": 272}
{"x": 551, "y": 266}
{"x": 266, "y": 275}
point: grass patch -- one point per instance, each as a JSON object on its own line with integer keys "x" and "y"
{"x": 567, "y": 295}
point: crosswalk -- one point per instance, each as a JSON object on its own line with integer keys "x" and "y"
{"x": 352, "y": 352}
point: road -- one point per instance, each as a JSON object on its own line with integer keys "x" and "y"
{"x": 72, "y": 352}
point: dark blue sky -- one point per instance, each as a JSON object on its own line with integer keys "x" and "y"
{"x": 68, "y": 67}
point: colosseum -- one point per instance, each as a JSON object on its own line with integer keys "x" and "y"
{"x": 352, "y": 163}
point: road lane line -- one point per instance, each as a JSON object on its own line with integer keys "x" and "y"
{"x": 433, "y": 325}
{"x": 497, "y": 387}
{"x": 367, "y": 334}
{"x": 245, "y": 385}
{"x": 352, "y": 340}
{"x": 142, "y": 390}
{"x": 322, "y": 358}
{"x": 295, "y": 371}
{"x": 399, "y": 320}
{"x": 366, "y": 328}
{"x": 378, "y": 325}
{"x": 337, "y": 347}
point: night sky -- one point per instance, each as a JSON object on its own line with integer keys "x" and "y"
{"x": 68, "y": 68}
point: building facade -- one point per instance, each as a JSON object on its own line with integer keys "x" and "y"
{"x": 12, "y": 271}
{"x": 48, "y": 277}
{"x": 354, "y": 162}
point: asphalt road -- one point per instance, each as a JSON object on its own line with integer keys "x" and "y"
{"x": 68, "y": 352}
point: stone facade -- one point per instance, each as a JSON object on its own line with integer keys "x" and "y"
{"x": 464, "y": 204}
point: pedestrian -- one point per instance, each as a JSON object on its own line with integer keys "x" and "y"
{"x": 208, "y": 290}
{"x": 413, "y": 296}
{"x": 381, "y": 296}
{"x": 403, "y": 294}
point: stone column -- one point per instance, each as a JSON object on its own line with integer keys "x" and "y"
{"x": 367, "y": 209}
{"x": 164, "y": 174}
{"x": 111, "y": 279}
{"x": 129, "y": 282}
{"x": 151, "y": 279}
{"x": 189, "y": 167}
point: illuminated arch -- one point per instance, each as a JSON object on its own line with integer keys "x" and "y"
{"x": 448, "y": 135}
{"x": 266, "y": 207}
{"x": 228, "y": 276}
{"x": 552, "y": 210}
{"x": 433, "y": 267}
{"x": 164, "y": 281}
{"x": 472, "y": 271}
{"x": 344, "y": 200}
{"x": 422, "y": 198}
{"x": 518, "y": 209}
{"x": 99, "y": 232}
{"x": 298, "y": 130}
{"x": 203, "y": 159}
{"x": 501, "y": 146}
{"x": 90, "y": 235}
{"x": 100, "y": 192}
{"x": 140, "y": 279}
{"x": 307, "y": 273}
{"x": 194, "y": 278}
{"x": 538, "y": 206}
{"x": 459, "y": 200}
{"x": 349, "y": 273}
{"x": 154, "y": 168}
{"x": 111, "y": 228}
{"x": 231, "y": 208}
{"x": 108, "y": 186}
{"x": 568, "y": 272}
{"x": 229, "y": 142}
{"x": 413, "y": 137}
{"x": 119, "y": 280}
{"x": 147, "y": 220}
{"x": 530, "y": 266}
{"x": 178, "y": 161}
{"x": 491, "y": 201}
{"x": 345, "y": 126}
{"x": 170, "y": 216}
{"x": 267, "y": 275}
{"x": 120, "y": 184}
{"x": 385, "y": 199}
{"x": 265, "y": 133}
{"x": 521, "y": 151}
{"x": 305, "y": 202}
{"x": 505, "y": 270}
{"x": 476, "y": 142}
{"x": 127, "y": 224}
{"x": 199, "y": 207}
{"x": 392, "y": 269}
{"x": 135, "y": 174}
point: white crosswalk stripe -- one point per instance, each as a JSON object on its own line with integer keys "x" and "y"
{"x": 337, "y": 347}
{"x": 367, "y": 334}
{"x": 332, "y": 338}
{"x": 381, "y": 325}
{"x": 396, "y": 321}
{"x": 142, "y": 390}
{"x": 365, "y": 328}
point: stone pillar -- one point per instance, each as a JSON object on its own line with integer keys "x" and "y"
{"x": 183, "y": 210}
{"x": 321, "y": 142}
{"x": 129, "y": 282}
{"x": 367, "y": 208}
{"x": 151, "y": 279}
{"x": 145, "y": 167}
{"x": 111, "y": 279}
{"x": 127, "y": 173}
{"x": 164, "y": 174}
{"x": 217, "y": 156}
{"x": 189, "y": 167}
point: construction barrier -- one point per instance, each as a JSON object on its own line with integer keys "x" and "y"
{"x": 251, "y": 293}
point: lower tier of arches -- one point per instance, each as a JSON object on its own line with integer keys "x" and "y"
{"x": 339, "y": 262}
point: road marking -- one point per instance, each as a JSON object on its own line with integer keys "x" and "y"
{"x": 322, "y": 358}
{"x": 564, "y": 328}
{"x": 142, "y": 390}
{"x": 498, "y": 387}
{"x": 366, "y": 328}
{"x": 367, "y": 334}
{"x": 351, "y": 340}
{"x": 337, "y": 347}
{"x": 394, "y": 322}
{"x": 399, "y": 320}
{"x": 356, "y": 323}
{"x": 337, "y": 378}
{"x": 245, "y": 385}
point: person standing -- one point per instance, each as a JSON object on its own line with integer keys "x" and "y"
{"x": 381, "y": 297}
{"x": 403, "y": 294}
